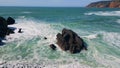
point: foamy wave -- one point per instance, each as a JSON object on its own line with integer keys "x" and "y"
{"x": 31, "y": 28}
{"x": 21, "y": 17}
{"x": 104, "y": 13}
{"x": 93, "y": 36}
{"x": 112, "y": 38}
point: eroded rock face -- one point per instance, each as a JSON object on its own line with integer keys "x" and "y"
{"x": 69, "y": 40}
{"x": 114, "y": 5}
{"x": 105, "y": 4}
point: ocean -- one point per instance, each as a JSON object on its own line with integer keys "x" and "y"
{"x": 99, "y": 28}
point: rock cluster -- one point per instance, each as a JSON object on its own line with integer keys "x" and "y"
{"x": 4, "y": 29}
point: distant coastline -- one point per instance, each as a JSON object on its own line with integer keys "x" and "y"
{"x": 105, "y": 4}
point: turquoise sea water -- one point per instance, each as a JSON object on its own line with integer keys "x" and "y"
{"x": 99, "y": 27}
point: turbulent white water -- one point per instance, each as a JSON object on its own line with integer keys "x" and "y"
{"x": 104, "y": 13}
{"x": 38, "y": 54}
{"x": 31, "y": 29}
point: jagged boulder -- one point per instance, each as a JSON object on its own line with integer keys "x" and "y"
{"x": 69, "y": 40}
{"x": 10, "y": 21}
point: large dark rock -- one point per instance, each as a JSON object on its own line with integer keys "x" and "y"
{"x": 69, "y": 40}
{"x": 10, "y": 21}
{"x": 3, "y": 27}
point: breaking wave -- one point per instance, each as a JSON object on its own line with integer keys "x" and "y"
{"x": 31, "y": 29}
{"x": 112, "y": 38}
{"x": 104, "y": 13}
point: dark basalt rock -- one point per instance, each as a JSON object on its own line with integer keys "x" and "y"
{"x": 10, "y": 21}
{"x": 69, "y": 40}
{"x": 3, "y": 27}
{"x": 52, "y": 46}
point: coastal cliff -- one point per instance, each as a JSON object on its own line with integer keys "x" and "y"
{"x": 105, "y": 4}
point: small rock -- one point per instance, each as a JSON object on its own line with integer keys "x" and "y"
{"x": 53, "y": 46}
{"x": 45, "y": 38}
{"x": 20, "y": 30}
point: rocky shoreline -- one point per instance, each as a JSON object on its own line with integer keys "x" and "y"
{"x": 4, "y": 29}
{"x": 105, "y": 4}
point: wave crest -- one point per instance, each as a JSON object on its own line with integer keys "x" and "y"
{"x": 104, "y": 13}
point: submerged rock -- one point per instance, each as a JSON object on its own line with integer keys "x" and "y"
{"x": 52, "y": 46}
{"x": 69, "y": 40}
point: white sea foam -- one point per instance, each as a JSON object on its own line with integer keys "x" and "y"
{"x": 92, "y": 36}
{"x": 21, "y": 17}
{"x": 112, "y": 38}
{"x": 31, "y": 28}
{"x": 104, "y": 13}
{"x": 26, "y": 12}
{"x": 26, "y": 64}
